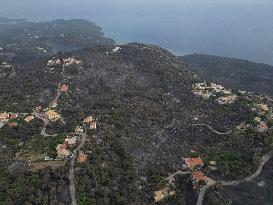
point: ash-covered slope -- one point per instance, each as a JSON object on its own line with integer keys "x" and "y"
{"x": 235, "y": 73}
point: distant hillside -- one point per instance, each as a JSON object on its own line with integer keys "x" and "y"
{"x": 25, "y": 39}
{"x": 4, "y": 20}
{"x": 235, "y": 73}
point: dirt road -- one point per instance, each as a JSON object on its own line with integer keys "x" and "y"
{"x": 212, "y": 129}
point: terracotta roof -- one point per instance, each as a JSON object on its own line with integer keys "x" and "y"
{"x": 64, "y": 145}
{"x": 198, "y": 176}
{"x": 262, "y": 127}
{"x": 64, "y": 88}
{"x": 12, "y": 124}
{"x": 13, "y": 116}
{"x": 193, "y": 162}
{"x": 93, "y": 125}
{"x": 82, "y": 157}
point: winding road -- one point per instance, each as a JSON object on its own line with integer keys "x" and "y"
{"x": 212, "y": 129}
{"x": 44, "y": 118}
{"x": 263, "y": 161}
{"x": 72, "y": 186}
{"x": 212, "y": 183}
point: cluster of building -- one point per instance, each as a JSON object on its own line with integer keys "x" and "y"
{"x": 11, "y": 119}
{"x": 227, "y": 99}
{"x": 63, "y": 62}
{"x": 262, "y": 113}
{"x": 63, "y": 150}
{"x": 205, "y": 90}
{"x": 54, "y": 63}
{"x": 262, "y": 110}
{"x": 7, "y": 118}
{"x": 199, "y": 179}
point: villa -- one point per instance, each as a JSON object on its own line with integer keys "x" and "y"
{"x": 192, "y": 163}
{"x": 197, "y": 178}
{"x": 52, "y": 115}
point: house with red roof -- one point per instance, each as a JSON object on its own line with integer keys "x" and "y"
{"x": 64, "y": 145}
{"x": 93, "y": 125}
{"x": 262, "y": 127}
{"x": 192, "y": 163}
{"x": 12, "y": 124}
{"x": 64, "y": 88}
{"x": 82, "y": 157}
{"x": 13, "y": 116}
{"x": 197, "y": 178}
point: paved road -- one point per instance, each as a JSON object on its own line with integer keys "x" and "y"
{"x": 72, "y": 186}
{"x": 264, "y": 160}
{"x": 212, "y": 183}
